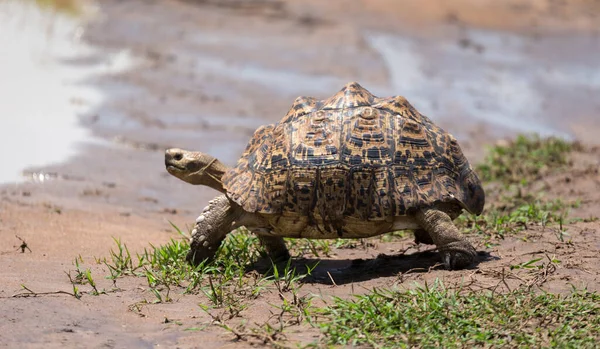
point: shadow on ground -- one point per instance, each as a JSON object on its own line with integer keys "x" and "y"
{"x": 346, "y": 271}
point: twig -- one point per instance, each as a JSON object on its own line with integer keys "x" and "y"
{"x": 31, "y": 293}
{"x": 23, "y": 245}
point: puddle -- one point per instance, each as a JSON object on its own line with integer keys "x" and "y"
{"x": 44, "y": 68}
{"x": 510, "y": 82}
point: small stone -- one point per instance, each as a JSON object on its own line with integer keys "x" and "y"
{"x": 200, "y": 219}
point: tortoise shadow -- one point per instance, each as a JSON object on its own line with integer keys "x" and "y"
{"x": 345, "y": 271}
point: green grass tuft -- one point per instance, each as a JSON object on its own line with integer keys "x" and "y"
{"x": 515, "y": 215}
{"x": 524, "y": 159}
{"x": 437, "y": 317}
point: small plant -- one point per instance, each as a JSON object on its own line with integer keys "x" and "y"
{"x": 524, "y": 159}
{"x": 82, "y": 277}
{"x": 122, "y": 264}
{"x": 76, "y": 292}
{"x": 514, "y": 216}
{"x": 527, "y": 265}
{"x": 437, "y": 317}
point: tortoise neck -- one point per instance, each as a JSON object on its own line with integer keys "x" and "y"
{"x": 213, "y": 174}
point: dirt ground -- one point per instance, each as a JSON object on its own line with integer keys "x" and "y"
{"x": 122, "y": 191}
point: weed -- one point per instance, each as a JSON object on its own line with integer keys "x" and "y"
{"x": 527, "y": 265}
{"x": 436, "y": 317}
{"x": 122, "y": 264}
{"x": 287, "y": 279}
{"x": 82, "y": 277}
{"x": 76, "y": 292}
{"x": 524, "y": 159}
{"x": 514, "y": 216}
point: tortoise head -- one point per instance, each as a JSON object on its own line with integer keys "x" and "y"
{"x": 195, "y": 168}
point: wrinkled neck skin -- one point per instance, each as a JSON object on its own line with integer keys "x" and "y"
{"x": 196, "y": 168}
{"x": 209, "y": 175}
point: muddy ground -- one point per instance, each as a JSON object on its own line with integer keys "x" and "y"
{"x": 117, "y": 188}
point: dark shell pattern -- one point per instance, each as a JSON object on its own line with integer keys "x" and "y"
{"x": 352, "y": 155}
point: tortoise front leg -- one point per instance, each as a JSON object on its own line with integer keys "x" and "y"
{"x": 456, "y": 251}
{"x": 216, "y": 221}
{"x": 275, "y": 247}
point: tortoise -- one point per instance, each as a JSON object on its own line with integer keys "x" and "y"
{"x": 351, "y": 166}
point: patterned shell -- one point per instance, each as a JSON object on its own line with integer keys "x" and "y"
{"x": 352, "y": 155}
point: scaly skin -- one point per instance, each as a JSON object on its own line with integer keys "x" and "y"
{"x": 196, "y": 168}
{"x": 456, "y": 251}
{"x": 216, "y": 221}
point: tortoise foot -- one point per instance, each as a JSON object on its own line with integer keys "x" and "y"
{"x": 199, "y": 253}
{"x": 458, "y": 255}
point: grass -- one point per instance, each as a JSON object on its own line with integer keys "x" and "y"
{"x": 165, "y": 266}
{"x": 437, "y": 317}
{"x": 507, "y": 173}
{"x": 524, "y": 159}
{"x": 224, "y": 282}
{"x": 515, "y": 216}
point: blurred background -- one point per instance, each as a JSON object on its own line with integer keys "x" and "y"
{"x": 92, "y": 92}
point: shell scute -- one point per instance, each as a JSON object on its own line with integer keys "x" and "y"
{"x": 352, "y": 155}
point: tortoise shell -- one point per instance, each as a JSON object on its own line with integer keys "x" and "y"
{"x": 352, "y": 155}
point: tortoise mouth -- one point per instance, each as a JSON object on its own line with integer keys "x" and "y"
{"x": 171, "y": 167}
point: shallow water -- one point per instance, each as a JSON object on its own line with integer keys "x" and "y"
{"x": 44, "y": 68}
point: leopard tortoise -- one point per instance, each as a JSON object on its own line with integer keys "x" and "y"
{"x": 351, "y": 166}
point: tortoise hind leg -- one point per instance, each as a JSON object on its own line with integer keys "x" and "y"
{"x": 275, "y": 247}
{"x": 215, "y": 222}
{"x": 422, "y": 237}
{"x": 456, "y": 251}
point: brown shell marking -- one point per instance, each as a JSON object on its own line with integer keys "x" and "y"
{"x": 352, "y": 155}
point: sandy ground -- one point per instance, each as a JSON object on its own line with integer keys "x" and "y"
{"x": 122, "y": 191}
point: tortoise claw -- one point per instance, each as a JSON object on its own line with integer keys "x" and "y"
{"x": 458, "y": 255}
{"x": 201, "y": 254}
